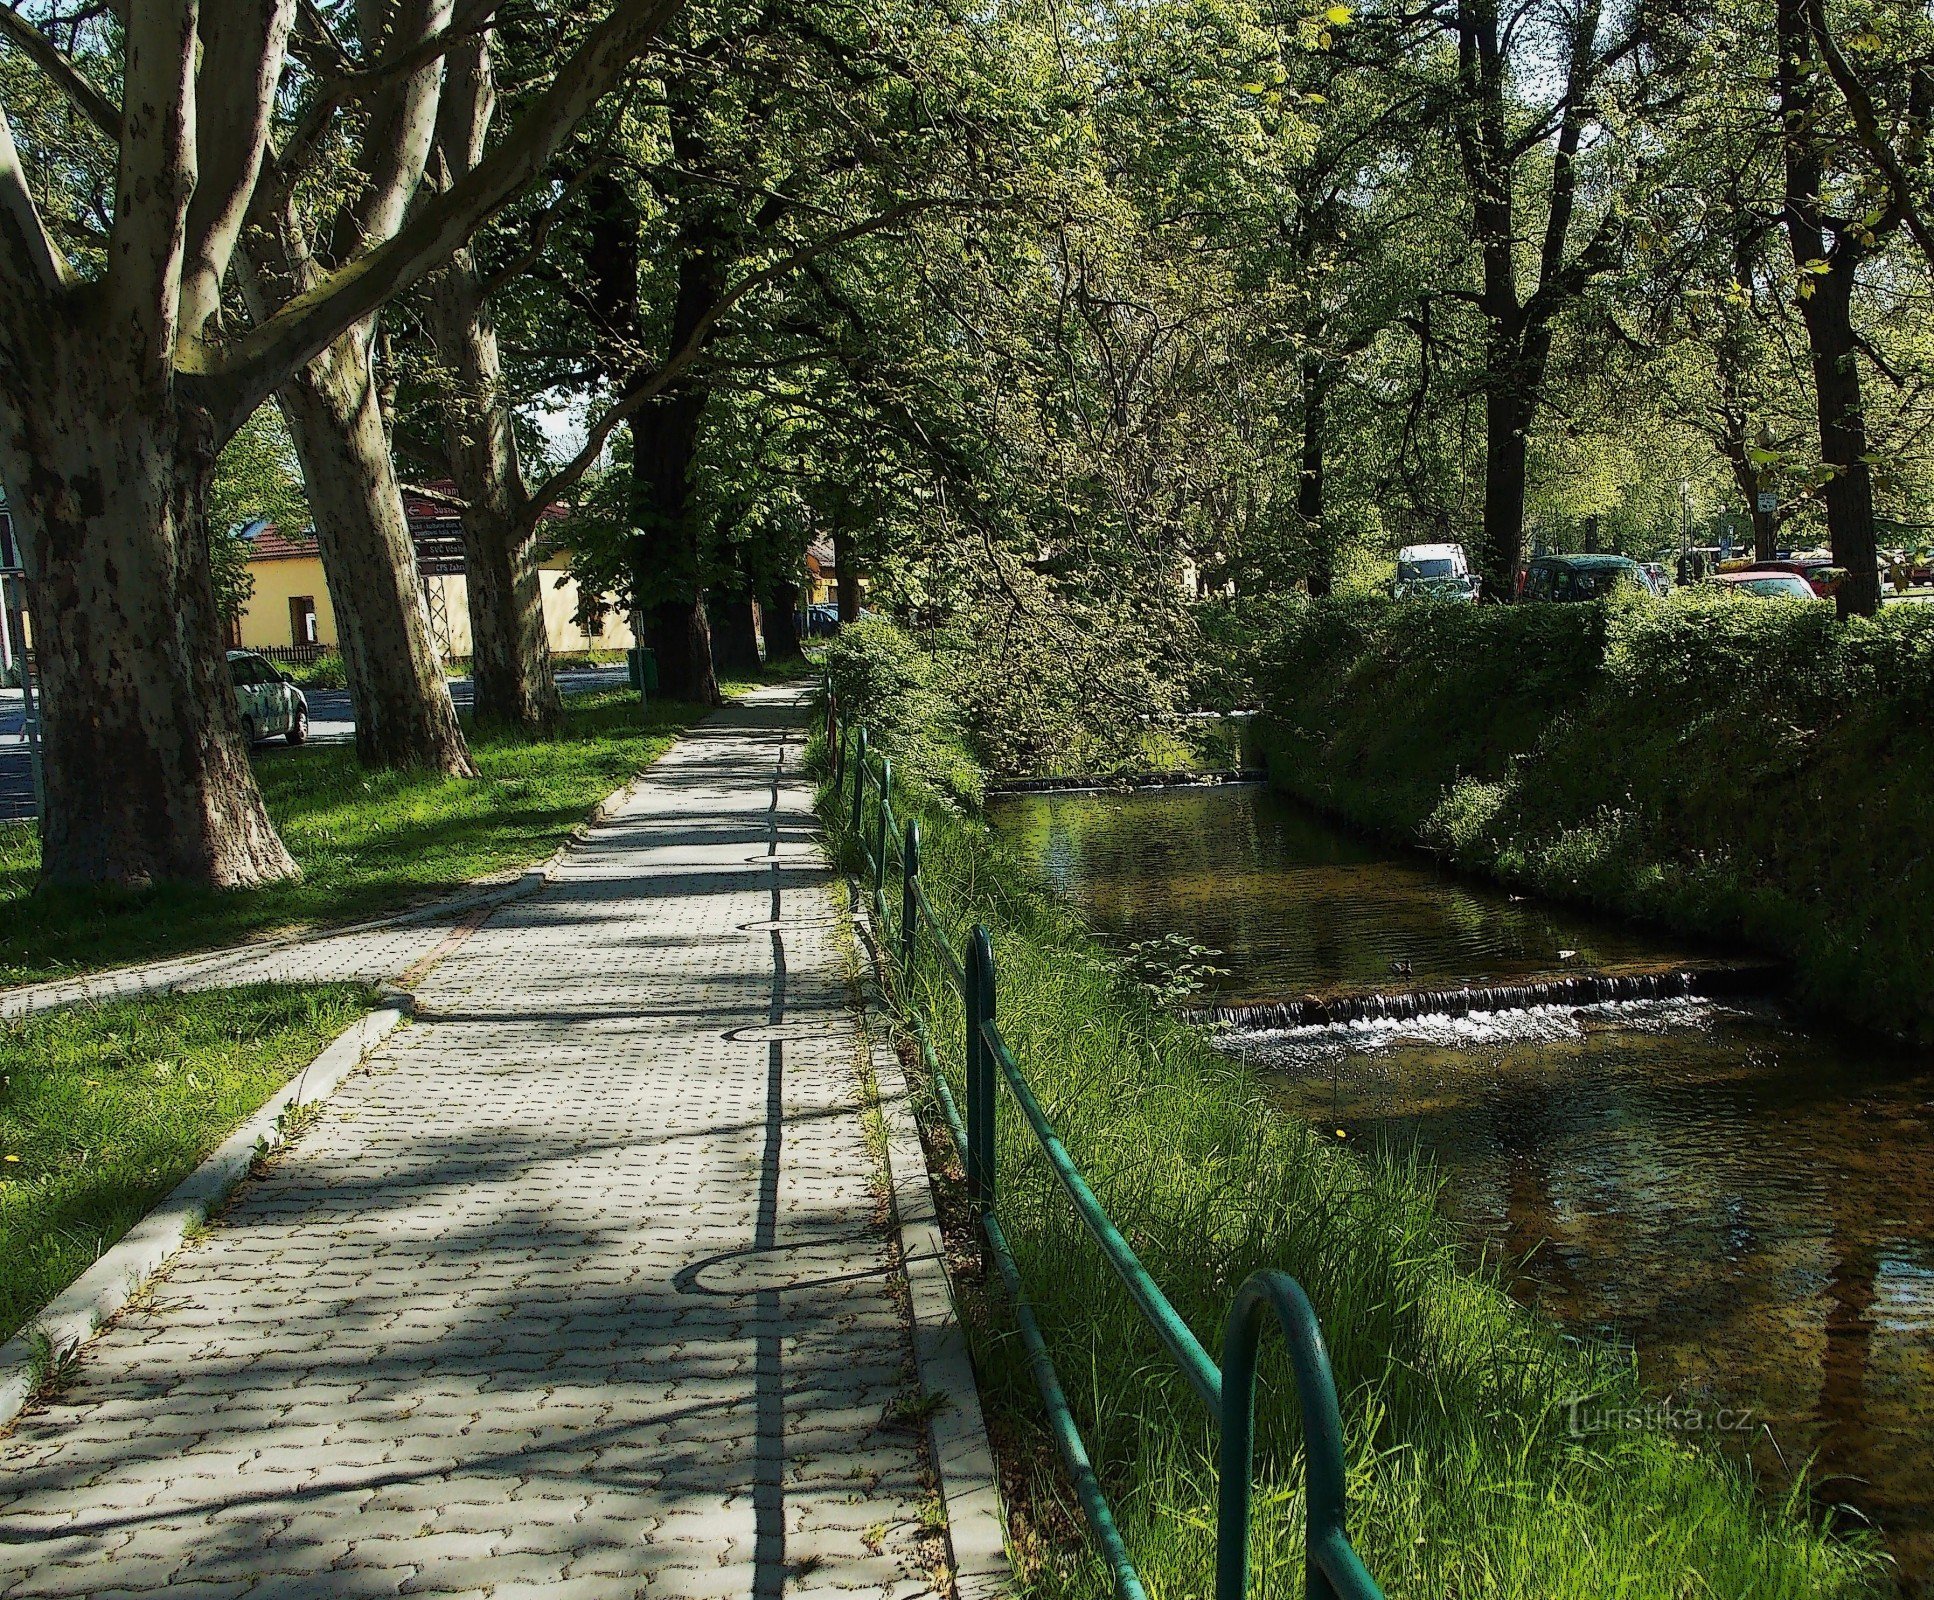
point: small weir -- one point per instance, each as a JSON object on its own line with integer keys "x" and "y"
{"x": 1580, "y": 989}
{"x": 1656, "y": 1153}
{"x": 1097, "y": 784}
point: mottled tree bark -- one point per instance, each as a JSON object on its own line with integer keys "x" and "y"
{"x": 147, "y": 777}
{"x": 510, "y": 664}
{"x": 404, "y": 716}
{"x": 117, "y": 389}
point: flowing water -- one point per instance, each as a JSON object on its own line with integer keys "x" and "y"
{"x": 1295, "y": 905}
{"x": 1746, "y": 1201}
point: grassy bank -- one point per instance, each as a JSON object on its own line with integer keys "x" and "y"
{"x": 1749, "y": 772}
{"x": 367, "y": 842}
{"x": 104, "y": 1109}
{"x": 1464, "y": 1478}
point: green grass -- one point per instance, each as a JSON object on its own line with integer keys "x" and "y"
{"x": 367, "y": 842}
{"x": 1464, "y": 1479}
{"x": 104, "y": 1108}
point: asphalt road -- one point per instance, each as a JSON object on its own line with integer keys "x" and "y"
{"x": 330, "y": 722}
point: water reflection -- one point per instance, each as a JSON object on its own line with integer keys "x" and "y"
{"x": 1296, "y": 905}
{"x": 1748, "y": 1203}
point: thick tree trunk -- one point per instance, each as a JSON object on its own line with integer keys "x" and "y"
{"x": 846, "y": 575}
{"x": 1309, "y": 482}
{"x": 737, "y": 646}
{"x": 404, "y": 717}
{"x": 1843, "y": 439}
{"x": 680, "y": 636}
{"x": 1827, "y": 307}
{"x": 147, "y": 777}
{"x": 510, "y": 653}
{"x": 666, "y": 581}
{"x": 1507, "y": 439}
{"x": 782, "y": 623}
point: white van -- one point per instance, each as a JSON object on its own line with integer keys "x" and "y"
{"x": 1441, "y": 571}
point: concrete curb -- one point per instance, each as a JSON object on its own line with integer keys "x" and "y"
{"x": 51, "y": 1339}
{"x": 173, "y": 972}
{"x": 957, "y": 1431}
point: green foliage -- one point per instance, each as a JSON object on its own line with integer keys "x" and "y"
{"x": 1756, "y": 772}
{"x": 105, "y": 1108}
{"x": 325, "y": 672}
{"x": 873, "y": 664}
{"x": 1463, "y": 1478}
{"x": 1087, "y": 692}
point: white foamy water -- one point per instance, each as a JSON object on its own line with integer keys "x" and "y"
{"x": 1524, "y": 1025}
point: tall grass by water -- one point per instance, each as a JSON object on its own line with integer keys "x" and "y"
{"x": 1465, "y": 1475}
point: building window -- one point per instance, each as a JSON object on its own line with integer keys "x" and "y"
{"x": 302, "y": 619}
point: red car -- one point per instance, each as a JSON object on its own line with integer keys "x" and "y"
{"x": 1767, "y": 585}
{"x": 1822, "y": 577}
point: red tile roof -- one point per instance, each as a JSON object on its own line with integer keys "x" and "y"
{"x": 271, "y": 544}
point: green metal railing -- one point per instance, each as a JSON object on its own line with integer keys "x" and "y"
{"x": 1333, "y": 1570}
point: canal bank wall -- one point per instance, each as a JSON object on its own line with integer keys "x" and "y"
{"x": 1744, "y": 771}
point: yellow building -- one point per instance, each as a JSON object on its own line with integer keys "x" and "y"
{"x": 291, "y": 605}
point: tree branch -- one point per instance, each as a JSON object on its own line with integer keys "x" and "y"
{"x": 92, "y": 101}
{"x": 566, "y": 477}
{"x": 1867, "y": 129}
{"x": 156, "y": 180}
{"x": 26, "y": 241}
{"x": 282, "y": 342}
{"x": 241, "y": 66}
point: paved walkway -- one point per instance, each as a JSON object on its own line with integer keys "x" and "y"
{"x": 377, "y": 953}
{"x": 582, "y": 1290}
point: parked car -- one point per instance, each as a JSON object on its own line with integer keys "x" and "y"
{"x": 1434, "y": 571}
{"x": 816, "y": 621}
{"x": 1765, "y": 585}
{"x": 269, "y": 701}
{"x": 1820, "y": 574}
{"x": 1565, "y": 578}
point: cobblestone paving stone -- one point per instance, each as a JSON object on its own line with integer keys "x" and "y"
{"x": 577, "y": 1292}
{"x": 376, "y": 955}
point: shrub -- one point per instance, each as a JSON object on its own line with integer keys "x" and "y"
{"x": 1753, "y": 771}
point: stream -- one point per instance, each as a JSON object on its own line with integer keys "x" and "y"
{"x": 1746, "y": 1201}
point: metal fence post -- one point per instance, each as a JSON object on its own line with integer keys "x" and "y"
{"x": 909, "y": 908}
{"x": 859, "y": 781}
{"x": 978, "y": 1003}
{"x": 1326, "y": 1531}
{"x": 833, "y": 750}
{"x": 879, "y": 860}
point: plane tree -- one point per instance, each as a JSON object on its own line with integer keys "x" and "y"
{"x": 125, "y": 365}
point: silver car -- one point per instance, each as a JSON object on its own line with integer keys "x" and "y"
{"x": 269, "y": 701}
